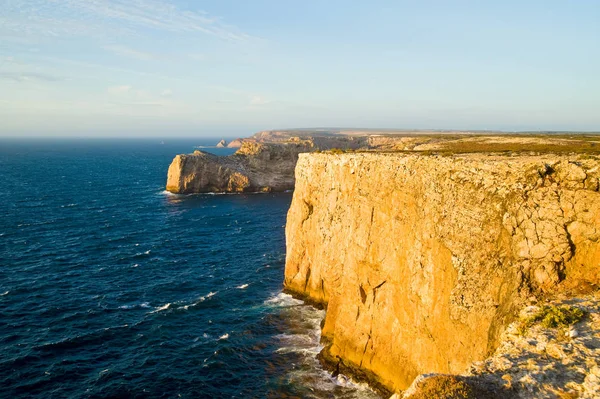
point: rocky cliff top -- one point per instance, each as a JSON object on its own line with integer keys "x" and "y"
{"x": 266, "y": 149}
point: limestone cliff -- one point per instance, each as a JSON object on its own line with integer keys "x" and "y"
{"x": 254, "y": 167}
{"x": 422, "y": 261}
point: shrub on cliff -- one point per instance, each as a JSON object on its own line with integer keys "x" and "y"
{"x": 553, "y": 317}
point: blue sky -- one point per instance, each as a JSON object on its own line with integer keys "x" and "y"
{"x": 181, "y": 68}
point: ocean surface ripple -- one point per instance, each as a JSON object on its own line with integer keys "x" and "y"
{"x": 111, "y": 287}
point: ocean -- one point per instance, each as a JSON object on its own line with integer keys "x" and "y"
{"x": 111, "y": 287}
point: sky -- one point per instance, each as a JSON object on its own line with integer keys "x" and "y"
{"x": 233, "y": 67}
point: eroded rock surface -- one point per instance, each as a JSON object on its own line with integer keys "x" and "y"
{"x": 422, "y": 261}
{"x": 536, "y": 362}
{"x": 254, "y": 167}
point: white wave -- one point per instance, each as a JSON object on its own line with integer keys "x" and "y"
{"x": 144, "y": 305}
{"x": 242, "y": 287}
{"x": 297, "y": 338}
{"x": 313, "y": 351}
{"x": 160, "y": 308}
{"x": 169, "y": 194}
{"x": 147, "y": 252}
{"x": 136, "y": 265}
{"x": 200, "y": 300}
{"x": 283, "y": 300}
{"x": 5, "y": 293}
{"x": 224, "y": 336}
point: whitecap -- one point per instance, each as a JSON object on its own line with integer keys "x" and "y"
{"x": 283, "y": 300}
{"x": 147, "y": 252}
{"x": 168, "y": 193}
{"x": 224, "y": 336}
{"x": 304, "y": 351}
{"x": 164, "y": 307}
{"x": 242, "y": 287}
{"x": 136, "y": 265}
{"x": 211, "y": 294}
{"x": 5, "y": 293}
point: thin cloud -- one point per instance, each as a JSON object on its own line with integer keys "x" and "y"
{"x": 258, "y": 100}
{"x": 110, "y": 18}
{"x": 197, "y": 57}
{"x": 131, "y": 53}
{"x": 28, "y": 77}
{"x": 119, "y": 89}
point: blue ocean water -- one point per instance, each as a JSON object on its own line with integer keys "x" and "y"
{"x": 112, "y": 288}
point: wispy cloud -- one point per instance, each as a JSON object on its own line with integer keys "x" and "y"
{"x": 197, "y": 57}
{"x": 108, "y": 18}
{"x": 119, "y": 89}
{"x": 131, "y": 53}
{"x": 127, "y": 94}
{"x": 258, "y": 100}
{"x": 29, "y": 76}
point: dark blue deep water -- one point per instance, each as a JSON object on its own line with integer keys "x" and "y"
{"x": 112, "y": 288}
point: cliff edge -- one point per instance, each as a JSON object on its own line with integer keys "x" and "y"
{"x": 423, "y": 261}
{"x": 254, "y": 167}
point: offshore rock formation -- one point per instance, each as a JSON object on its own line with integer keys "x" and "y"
{"x": 237, "y": 143}
{"x": 422, "y": 261}
{"x": 254, "y": 167}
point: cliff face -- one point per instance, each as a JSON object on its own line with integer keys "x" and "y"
{"x": 254, "y": 167}
{"x": 422, "y": 261}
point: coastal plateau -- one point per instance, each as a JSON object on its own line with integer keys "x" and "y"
{"x": 266, "y": 161}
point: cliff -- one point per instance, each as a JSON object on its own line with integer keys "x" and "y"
{"x": 422, "y": 261}
{"x": 254, "y": 167}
